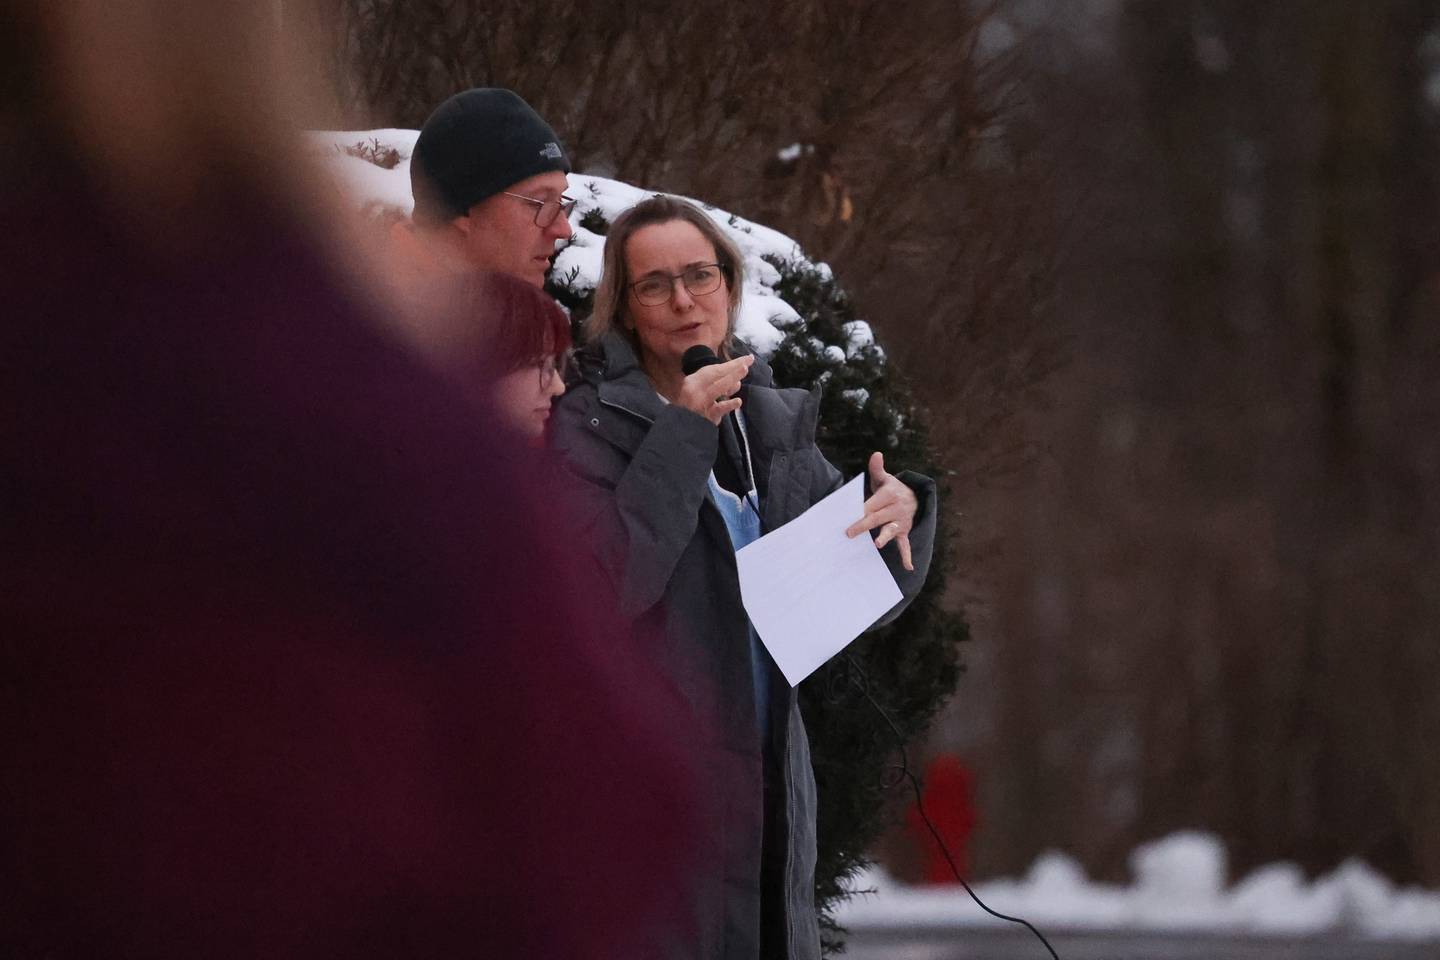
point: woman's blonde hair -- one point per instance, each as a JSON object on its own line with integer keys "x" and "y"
{"x": 611, "y": 296}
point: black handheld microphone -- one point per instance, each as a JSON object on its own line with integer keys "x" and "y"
{"x": 694, "y": 359}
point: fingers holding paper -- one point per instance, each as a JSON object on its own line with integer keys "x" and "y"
{"x": 890, "y": 510}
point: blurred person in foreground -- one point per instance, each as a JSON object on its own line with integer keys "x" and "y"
{"x": 666, "y": 500}
{"x": 488, "y": 177}
{"x": 289, "y": 667}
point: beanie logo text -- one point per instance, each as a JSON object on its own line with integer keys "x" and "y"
{"x": 551, "y": 151}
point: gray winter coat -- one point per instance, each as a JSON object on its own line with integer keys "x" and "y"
{"x": 642, "y": 467}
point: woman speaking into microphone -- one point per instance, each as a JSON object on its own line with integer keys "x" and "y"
{"x": 680, "y": 462}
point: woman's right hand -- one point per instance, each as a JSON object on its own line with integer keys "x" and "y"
{"x": 709, "y": 390}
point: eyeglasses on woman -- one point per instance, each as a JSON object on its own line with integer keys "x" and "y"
{"x": 699, "y": 280}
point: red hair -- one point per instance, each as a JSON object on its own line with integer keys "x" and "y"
{"x": 517, "y": 324}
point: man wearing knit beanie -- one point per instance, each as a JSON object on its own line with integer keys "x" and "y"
{"x": 488, "y": 177}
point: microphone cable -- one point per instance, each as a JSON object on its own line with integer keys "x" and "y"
{"x": 697, "y": 358}
{"x": 747, "y": 479}
{"x": 863, "y": 686}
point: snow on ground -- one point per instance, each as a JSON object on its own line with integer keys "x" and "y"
{"x": 762, "y": 311}
{"x": 1179, "y": 885}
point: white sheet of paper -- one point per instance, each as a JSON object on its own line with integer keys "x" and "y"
{"x": 809, "y": 589}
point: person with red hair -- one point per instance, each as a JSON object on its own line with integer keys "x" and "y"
{"x": 518, "y": 354}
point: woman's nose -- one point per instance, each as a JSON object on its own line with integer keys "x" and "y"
{"x": 680, "y": 298}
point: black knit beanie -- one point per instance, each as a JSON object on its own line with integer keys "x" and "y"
{"x": 475, "y": 145}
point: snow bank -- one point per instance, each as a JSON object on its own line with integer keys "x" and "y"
{"x": 1179, "y": 885}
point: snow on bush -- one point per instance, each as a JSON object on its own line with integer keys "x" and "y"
{"x": 763, "y": 316}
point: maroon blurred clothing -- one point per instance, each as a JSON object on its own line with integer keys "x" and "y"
{"x": 288, "y": 665}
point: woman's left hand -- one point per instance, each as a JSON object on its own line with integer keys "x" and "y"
{"x": 891, "y": 508}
